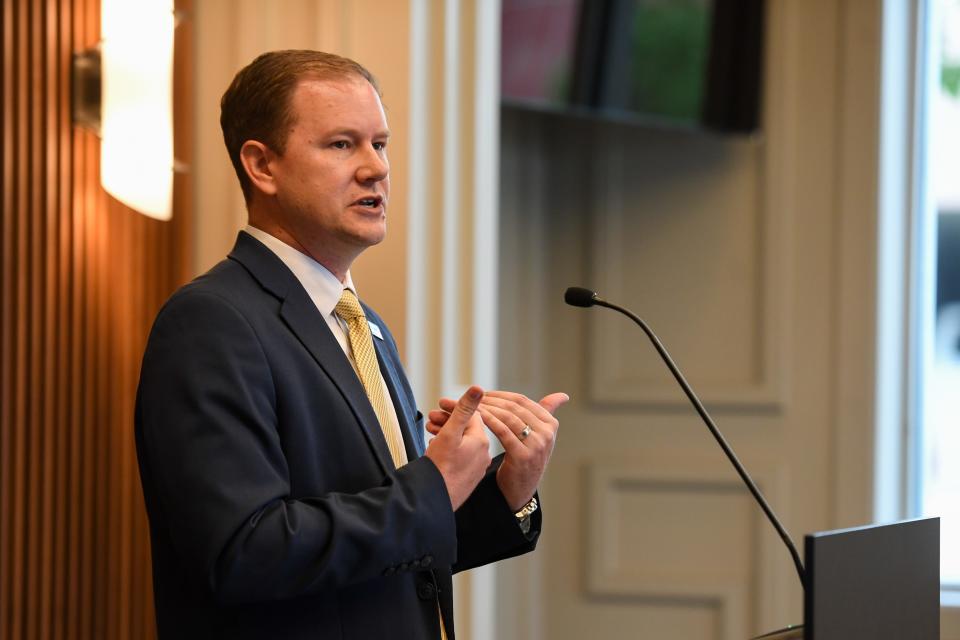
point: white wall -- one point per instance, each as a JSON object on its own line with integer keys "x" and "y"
{"x": 755, "y": 261}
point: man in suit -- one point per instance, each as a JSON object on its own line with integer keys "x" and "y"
{"x": 288, "y": 485}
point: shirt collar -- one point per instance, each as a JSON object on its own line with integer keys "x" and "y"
{"x": 322, "y": 286}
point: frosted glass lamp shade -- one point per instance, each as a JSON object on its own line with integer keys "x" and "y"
{"x": 136, "y": 150}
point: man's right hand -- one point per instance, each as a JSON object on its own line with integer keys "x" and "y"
{"x": 460, "y": 449}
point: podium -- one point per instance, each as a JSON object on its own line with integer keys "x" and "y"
{"x": 879, "y": 582}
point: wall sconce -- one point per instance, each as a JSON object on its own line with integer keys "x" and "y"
{"x": 123, "y": 91}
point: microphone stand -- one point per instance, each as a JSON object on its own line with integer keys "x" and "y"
{"x": 580, "y": 297}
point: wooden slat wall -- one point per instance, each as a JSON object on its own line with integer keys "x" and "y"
{"x": 81, "y": 278}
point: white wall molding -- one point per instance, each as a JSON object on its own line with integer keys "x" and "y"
{"x": 760, "y": 205}
{"x": 640, "y": 545}
{"x": 620, "y": 374}
{"x": 452, "y": 242}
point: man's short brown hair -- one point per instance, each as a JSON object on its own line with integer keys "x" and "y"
{"x": 256, "y": 105}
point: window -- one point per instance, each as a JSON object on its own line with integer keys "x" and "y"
{"x": 936, "y": 299}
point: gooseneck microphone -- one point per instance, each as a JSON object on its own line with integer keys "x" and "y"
{"x": 580, "y": 297}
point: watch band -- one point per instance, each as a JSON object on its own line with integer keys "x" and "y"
{"x": 527, "y": 509}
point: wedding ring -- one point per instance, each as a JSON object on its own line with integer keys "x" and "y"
{"x": 526, "y": 431}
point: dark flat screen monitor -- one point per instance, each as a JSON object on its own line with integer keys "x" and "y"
{"x": 677, "y": 63}
{"x": 880, "y": 582}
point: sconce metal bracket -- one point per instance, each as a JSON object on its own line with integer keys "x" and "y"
{"x": 86, "y": 89}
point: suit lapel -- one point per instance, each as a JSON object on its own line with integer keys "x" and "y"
{"x": 301, "y": 316}
{"x": 400, "y": 401}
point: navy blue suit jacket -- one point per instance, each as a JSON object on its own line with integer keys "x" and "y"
{"x": 274, "y": 507}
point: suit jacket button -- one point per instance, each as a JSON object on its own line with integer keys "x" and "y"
{"x": 426, "y": 561}
{"x": 389, "y": 571}
{"x": 426, "y": 591}
{"x": 404, "y": 566}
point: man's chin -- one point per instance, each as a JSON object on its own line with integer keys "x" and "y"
{"x": 370, "y": 237}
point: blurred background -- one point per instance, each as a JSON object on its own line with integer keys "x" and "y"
{"x": 773, "y": 185}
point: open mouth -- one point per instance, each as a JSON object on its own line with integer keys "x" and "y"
{"x": 372, "y": 202}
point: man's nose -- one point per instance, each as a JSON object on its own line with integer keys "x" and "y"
{"x": 374, "y": 166}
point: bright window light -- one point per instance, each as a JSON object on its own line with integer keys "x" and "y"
{"x": 938, "y": 341}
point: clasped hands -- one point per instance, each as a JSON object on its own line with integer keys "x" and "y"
{"x": 526, "y": 429}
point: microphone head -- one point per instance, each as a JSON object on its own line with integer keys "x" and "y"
{"x": 580, "y": 297}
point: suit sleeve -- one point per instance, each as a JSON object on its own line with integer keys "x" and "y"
{"x": 487, "y": 530}
{"x": 215, "y": 476}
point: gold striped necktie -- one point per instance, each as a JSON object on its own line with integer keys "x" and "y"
{"x": 365, "y": 359}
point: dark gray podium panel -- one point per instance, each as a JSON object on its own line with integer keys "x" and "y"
{"x": 879, "y": 582}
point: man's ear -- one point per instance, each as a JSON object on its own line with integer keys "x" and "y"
{"x": 256, "y": 158}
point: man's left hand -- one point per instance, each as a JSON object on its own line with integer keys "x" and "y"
{"x": 526, "y": 429}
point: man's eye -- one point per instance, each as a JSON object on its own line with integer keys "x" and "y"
{"x": 341, "y": 144}
{"x": 379, "y": 146}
